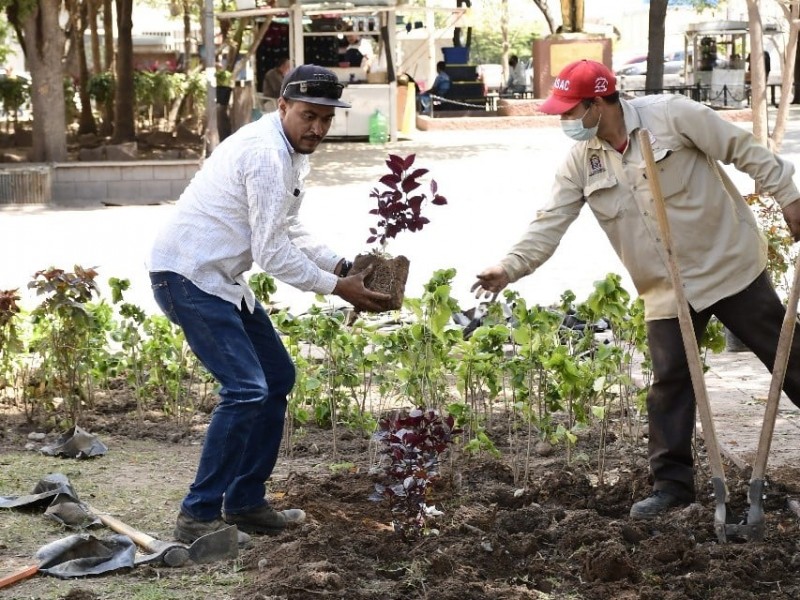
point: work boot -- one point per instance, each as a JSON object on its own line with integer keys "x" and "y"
{"x": 187, "y": 530}
{"x": 657, "y": 504}
{"x": 265, "y": 520}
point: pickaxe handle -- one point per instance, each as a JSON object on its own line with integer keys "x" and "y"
{"x": 685, "y": 321}
{"x": 147, "y": 542}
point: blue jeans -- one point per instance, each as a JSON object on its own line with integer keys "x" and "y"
{"x": 246, "y": 356}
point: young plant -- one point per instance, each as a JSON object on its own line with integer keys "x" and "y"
{"x": 413, "y": 444}
{"x": 64, "y": 330}
{"x": 780, "y": 250}
{"x": 401, "y": 200}
{"x": 10, "y": 342}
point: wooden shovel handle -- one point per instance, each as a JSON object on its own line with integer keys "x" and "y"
{"x": 778, "y": 375}
{"x": 684, "y": 316}
{"x": 23, "y": 573}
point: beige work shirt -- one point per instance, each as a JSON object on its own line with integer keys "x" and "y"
{"x": 717, "y": 244}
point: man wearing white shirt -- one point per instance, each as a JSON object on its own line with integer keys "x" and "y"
{"x": 242, "y": 209}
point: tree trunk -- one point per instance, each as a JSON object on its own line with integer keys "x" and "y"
{"x": 124, "y": 119}
{"x": 108, "y": 34}
{"x": 44, "y": 49}
{"x": 71, "y": 60}
{"x": 97, "y": 66}
{"x": 86, "y": 124}
{"x": 758, "y": 87}
{"x": 792, "y": 13}
{"x": 108, "y": 65}
{"x": 654, "y": 80}
{"x": 504, "y": 40}
{"x": 187, "y": 37}
{"x": 796, "y": 86}
{"x": 547, "y": 14}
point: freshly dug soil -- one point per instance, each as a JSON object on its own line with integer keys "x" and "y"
{"x": 561, "y": 532}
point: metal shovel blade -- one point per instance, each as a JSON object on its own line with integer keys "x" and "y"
{"x": 218, "y": 545}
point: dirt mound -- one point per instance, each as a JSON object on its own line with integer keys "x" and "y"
{"x": 561, "y": 535}
{"x": 564, "y": 532}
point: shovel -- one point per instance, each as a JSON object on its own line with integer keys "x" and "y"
{"x": 218, "y": 545}
{"x": 78, "y": 555}
{"x": 689, "y": 344}
{"x": 753, "y": 528}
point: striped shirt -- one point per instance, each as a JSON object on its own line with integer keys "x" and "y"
{"x": 240, "y": 209}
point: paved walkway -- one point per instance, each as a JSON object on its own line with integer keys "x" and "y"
{"x": 738, "y": 385}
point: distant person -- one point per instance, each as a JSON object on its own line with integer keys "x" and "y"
{"x": 440, "y": 87}
{"x": 359, "y": 51}
{"x": 274, "y": 77}
{"x": 767, "y": 66}
{"x": 721, "y": 254}
{"x": 516, "y": 78}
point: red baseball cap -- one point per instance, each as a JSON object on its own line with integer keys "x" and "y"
{"x": 577, "y": 81}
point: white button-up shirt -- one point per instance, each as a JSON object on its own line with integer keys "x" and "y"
{"x": 242, "y": 208}
{"x": 717, "y": 244}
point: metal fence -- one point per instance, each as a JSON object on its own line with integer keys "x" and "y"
{"x": 718, "y": 96}
{"x": 25, "y": 185}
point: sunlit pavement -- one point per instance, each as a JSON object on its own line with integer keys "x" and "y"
{"x": 494, "y": 181}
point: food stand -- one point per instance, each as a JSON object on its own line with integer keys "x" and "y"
{"x": 313, "y": 33}
{"x": 716, "y": 54}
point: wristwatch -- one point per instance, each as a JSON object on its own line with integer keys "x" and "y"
{"x": 346, "y": 266}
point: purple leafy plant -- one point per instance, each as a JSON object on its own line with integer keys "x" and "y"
{"x": 401, "y": 199}
{"x": 412, "y": 444}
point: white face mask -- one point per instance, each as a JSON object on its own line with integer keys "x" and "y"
{"x": 575, "y": 128}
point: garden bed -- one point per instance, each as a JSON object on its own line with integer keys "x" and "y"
{"x": 559, "y": 534}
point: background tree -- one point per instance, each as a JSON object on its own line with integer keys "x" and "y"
{"x": 758, "y": 74}
{"x": 108, "y": 65}
{"x": 124, "y": 118}
{"x": 97, "y": 64}
{"x": 504, "y": 38}
{"x": 547, "y": 13}
{"x": 187, "y": 35}
{"x": 487, "y": 43}
{"x": 5, "y": 35}
{"x": 43, "y": 42}
{"x": 86, "y": 123}
{"x": 654, "y": 80}
{"x": 791, "y": 11}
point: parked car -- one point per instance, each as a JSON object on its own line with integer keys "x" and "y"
{"x": 633, "y": 76}
{"x": 671, "y": 67}
{"x": 635, "y": 68}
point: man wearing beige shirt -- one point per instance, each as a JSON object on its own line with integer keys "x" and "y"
{"x": 719, "y": 250}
